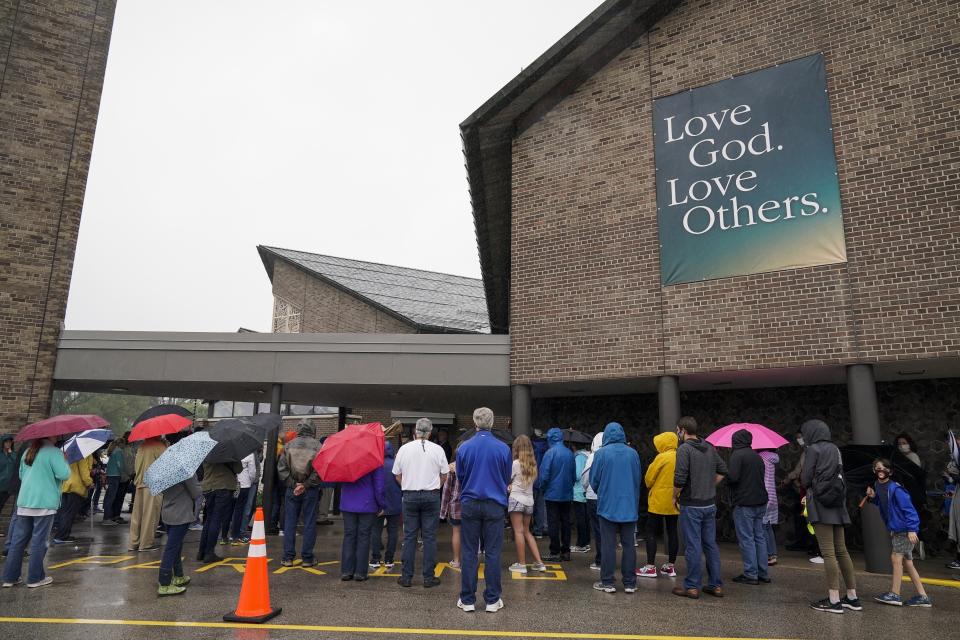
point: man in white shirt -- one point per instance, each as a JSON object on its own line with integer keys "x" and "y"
{"x": 421, "y": 469}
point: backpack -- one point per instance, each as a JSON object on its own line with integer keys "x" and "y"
{"x": 831, "y": 491}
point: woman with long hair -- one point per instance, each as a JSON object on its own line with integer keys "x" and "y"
{"x": 42, "y": 470}
{"x": 520, "y": 504}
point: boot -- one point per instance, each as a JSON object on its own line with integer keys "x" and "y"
{"x": 170, "y": 590}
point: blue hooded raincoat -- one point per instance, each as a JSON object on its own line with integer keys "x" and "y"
{"x": 615, "y": 477}
{"x": 558, "y": 471}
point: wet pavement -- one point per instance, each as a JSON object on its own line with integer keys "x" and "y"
{"x": 102, "y": 584}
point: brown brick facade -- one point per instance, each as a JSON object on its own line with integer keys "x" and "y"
{"x": 52, "y": 60}
{"x": 586, "y": 300}
{"x": 327, "y": 309}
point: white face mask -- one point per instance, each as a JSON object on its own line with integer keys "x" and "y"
{"x": 904, "y": 448}
{"x": 800, "y": 441}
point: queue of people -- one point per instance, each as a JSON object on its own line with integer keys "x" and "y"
{"x": 483, "y": 484}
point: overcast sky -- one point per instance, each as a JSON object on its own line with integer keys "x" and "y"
{"x": 322, "y": 126}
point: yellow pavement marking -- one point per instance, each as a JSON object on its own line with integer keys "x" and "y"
{"x": 92, "y": 560}
{"x": 556, "y": 573}
{"x": 240, "y": 564}
{"x": 381, "y": 630}
{"x": 298, "y": 566}
{"x": 153, "y": 564}
{"x": 937, "y": 581}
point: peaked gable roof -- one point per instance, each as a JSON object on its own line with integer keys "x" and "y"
{"x": 488, "y": 133}
{"x": 430, "y": 301}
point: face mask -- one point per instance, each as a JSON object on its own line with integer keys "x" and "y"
{"x": 800, "y": 441}
{"x": 680, "y": 435}
{"x": 882, "y": 474}
{"x": 904, "y": 448}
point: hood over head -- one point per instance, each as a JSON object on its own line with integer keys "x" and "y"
{"x": 306, "y": 430}
{"x": 815, "y": 431}
{"x": 597, "y": 442}
{"x": 742, "y": 439}
{"x": 665, "y": 441}
{"x": 612, "y": 433}
{"x": 555, "y": 437}
{"x": 387, "y": 449}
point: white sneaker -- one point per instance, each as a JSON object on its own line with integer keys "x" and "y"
{"x": 374, "y": 565}
{"x": 7, "y": 585}
{"x": 496, "y": 606}
{"x": 469, "y": 608}
{"x": 516, "y": 567}
{"x": 816, "y": 560}
{"x": 594, "y": 566}
{"x": 538, "y": 566}
{"x": 42, "y": 583}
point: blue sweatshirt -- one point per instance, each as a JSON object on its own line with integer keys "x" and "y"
{"x": 558, "y": 471}
{"x": 392, "y": 492}
{"x": 897, "y": 509}
{"x": 615, "y": 477}
{"x": 483, "y": 468}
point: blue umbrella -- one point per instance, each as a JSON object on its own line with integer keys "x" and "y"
{"x": 179, "y": 462}
{"x": 84, "y": 443}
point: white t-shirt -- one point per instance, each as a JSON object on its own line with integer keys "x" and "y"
{"x": 421, "y": 463}
{"x": 522, "y": 493}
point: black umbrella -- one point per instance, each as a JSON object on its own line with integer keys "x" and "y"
{"x": 239, "y": 437}
{"x": 162, "y": 410}
{"x": 858, "y": 469}
{"x": 576, "y": 437}
{"x": 500, "y": 434}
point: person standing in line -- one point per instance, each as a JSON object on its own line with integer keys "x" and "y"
{"x": 746, "y": 480}
{"x": 177, "y": 513}
{"x": 443, "y": 440}
{"x": 557, "y": 474}
{"x": 903, "y": 523}
{"x": 392, "y": 516}
{"x": 42, "y": 470}
{"x": 698, "y": 472}
{"x": 539, "y": 504}
{"x": 219, "y": 484}
{"x": 661, "y": 511}
{"x": 591, "y": 497}
{"x": 771, "y": 515}
{"x": 951, "y": 475}
{"x": 114, "y": 473}
{"x": 127, "y": 480}
{"x": 826, "y": 502}
{"x": 580, "y": 515}
{"x": 361, "y": 502}
{"x": 421, "y": 469}
{"x": 523, "y": 475}
{"x": 75, "y": 491}
{"x": 13, "y": 488}
{"x": 615, "y": 477}
{"x": 450, "y": 510}
{"x": 484, "y": 465}
{"x": 8, "y": 468}
{"x": 146, "y": 507}
{"x": 246, "y": 480}
{"x": 295, "y": 470}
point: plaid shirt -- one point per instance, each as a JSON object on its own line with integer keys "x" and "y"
{"x": 450, "y": 500}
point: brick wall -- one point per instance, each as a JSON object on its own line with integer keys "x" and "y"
{"x": 327, "y": 309}
{"x": 586, "y": 300}
{"x": 52, "y": 60}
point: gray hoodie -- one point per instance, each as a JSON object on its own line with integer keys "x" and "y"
{"x": 698, "y": 465}
{"x": 821, "y": 460}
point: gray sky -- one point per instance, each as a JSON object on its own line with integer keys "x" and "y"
{"x": 329, "y": 127}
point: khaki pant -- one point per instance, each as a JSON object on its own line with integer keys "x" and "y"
{"x": 836, "y": 560}
{"x": 144, "y": 519}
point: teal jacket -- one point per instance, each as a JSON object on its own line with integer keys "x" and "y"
{"x": 578, "y": 493}
{"x": 115, "y": 463}
{"x": 8, "y": 464}
{"x": 41, "y": 481}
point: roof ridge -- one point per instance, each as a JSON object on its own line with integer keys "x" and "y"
{"x": 380, "y": 264}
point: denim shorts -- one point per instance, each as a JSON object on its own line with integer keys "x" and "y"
{"x": 515, "y": 507}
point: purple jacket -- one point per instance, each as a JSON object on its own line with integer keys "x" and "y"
{"x": 365, "y": 495}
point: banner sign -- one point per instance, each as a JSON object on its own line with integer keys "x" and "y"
{"x": 746, "y": 175}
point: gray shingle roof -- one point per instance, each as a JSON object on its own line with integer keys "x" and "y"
{"x": 427, "y": 299}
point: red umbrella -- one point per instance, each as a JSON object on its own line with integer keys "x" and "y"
{"x": 60, "y": 426}
{"x": 159, "y": 426}
{"x": 350, "y": 454}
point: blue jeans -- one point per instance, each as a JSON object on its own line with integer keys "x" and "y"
{"x": 771, "y": 540}
{"x": 610, "y": 534}
{"x": 218, "y": 511}
{"x": 393, "y": 532}
{"x": 10, "y": 527}
{"x": 356, "y": 543}
{"x": 294, "y": 506}
{"x": 421, "y": 512}
{"x": 752, "y": 538}
{"x": 239, "y": 510}
{"x": 36, "y": 531}
{"x": 248, "y": 511}
{"x": 109, "y": 500}
{"x": 539, "y": 523}
{"x": 699, "y": 527}
{"x": 481, "y": 518}
{"x": 595, "y": 525}
{"x": 171, "y": 563}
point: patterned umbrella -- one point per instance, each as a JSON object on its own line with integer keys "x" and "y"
{"x": 179, "y": 462}
{"x": 84, "y": 443}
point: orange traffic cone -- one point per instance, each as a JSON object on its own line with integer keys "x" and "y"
{"x": 254, "y": 604}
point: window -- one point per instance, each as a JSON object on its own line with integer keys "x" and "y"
{"x": 286, "y": 316}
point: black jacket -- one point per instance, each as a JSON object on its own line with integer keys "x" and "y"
{"x": 746, "y": 472}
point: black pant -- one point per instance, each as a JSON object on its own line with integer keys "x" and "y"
{"x": 655, "y": 522}
{"x": 583, "y": 523}
{"x": 595, "y": 525}
{"x": 558, "y": 523}
{"x": 70, "y": 505}
{"x": 218, "y": 509}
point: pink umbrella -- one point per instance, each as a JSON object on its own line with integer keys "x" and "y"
{"x": 763, "y": 438}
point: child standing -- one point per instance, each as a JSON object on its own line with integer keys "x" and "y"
{"x": 450, "y": 509}
{"x": 902, "y": 521}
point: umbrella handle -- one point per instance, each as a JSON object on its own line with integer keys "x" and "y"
{"x": 863, "y": 501}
